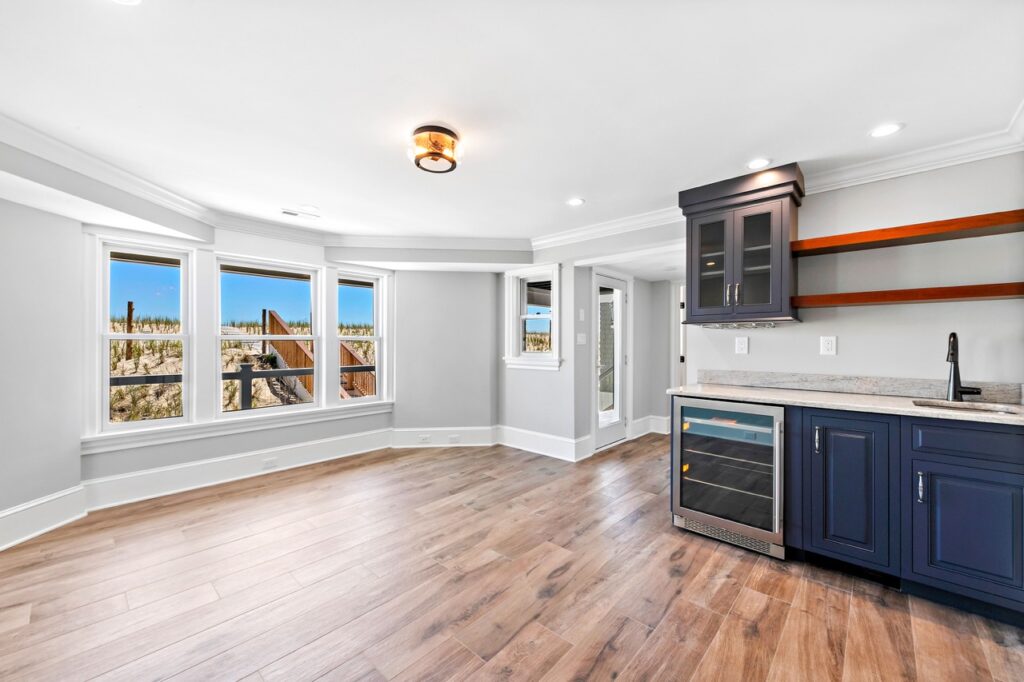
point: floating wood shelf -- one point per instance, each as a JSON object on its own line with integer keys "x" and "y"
{"x": 982, "y": 225}
{"x": 932, "y": 294}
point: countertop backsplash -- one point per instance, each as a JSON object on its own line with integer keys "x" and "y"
{"x": 991, "y": 392}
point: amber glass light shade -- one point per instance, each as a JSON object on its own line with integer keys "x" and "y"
{"x": 435, "y": 149}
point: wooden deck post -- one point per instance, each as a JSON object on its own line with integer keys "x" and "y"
{"x": 245, "y": 396}
{"x": 128, "y": 330}
{"x": 263, "y": 330}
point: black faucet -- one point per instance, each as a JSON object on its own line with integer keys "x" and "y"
{"x": 955, "y": 391}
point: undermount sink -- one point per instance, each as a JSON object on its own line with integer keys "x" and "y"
{"x": 1000, "y": 408}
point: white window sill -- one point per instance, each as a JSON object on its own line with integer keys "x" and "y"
{"x": 159, "y": 435}
{"x": 550, "y": 364}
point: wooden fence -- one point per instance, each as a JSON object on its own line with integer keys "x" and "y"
{"x": 358, "y": 382}
{"x": 294, "y": 353}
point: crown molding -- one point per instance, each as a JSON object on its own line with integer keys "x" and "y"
{"x": 610, "y": 228}
{"x": 1006, "y": 141}
{"x": 267, "y": 228}
{"x": 435, "y": 243}
{"x": 40, "y": 144}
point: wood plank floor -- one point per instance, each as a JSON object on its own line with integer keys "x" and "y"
{"x": 456, "y": 564}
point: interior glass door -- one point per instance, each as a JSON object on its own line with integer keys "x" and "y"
{"x": 609, "y": 343}
{"x": 728, "y": 463}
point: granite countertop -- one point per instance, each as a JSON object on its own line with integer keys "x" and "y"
{"x": 856, "y": 402}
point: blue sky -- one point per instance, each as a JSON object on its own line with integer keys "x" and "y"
{"x": 243, "y": 298}
{"x": 155, "y": 290}
{"x": 540, "y": 326}
{"x": 355, "y": 305}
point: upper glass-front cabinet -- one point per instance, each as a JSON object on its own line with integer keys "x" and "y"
{"x": 740, "y": 267}
{"x": 709, "y": 259}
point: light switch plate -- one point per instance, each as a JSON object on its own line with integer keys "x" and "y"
{"x": 581, "y": 339}
{"x": 827, "y": 345}
{"x": 582, "y": 315}
{"x": 742, "y": 345}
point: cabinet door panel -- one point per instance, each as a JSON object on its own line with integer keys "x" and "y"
{"x": 968, "y": 527}
{"x": 710, "y": 283}
{"x": 757, "y": 258}
{"x": 849, "y": 489}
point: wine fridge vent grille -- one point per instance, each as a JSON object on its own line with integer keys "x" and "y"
{"x": 727, "y": 536}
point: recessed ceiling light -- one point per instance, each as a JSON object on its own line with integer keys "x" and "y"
{"x": 758, "y": 164}
{"x": 575, "y": 201}
{"x": 128, "y": 2}
{"x": 886, "y": 129}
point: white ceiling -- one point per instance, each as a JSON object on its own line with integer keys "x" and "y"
{"x": 246, "y": 106}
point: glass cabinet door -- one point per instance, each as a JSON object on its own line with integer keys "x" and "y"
{"x": 727, "y": 465}
{"x": 710, "y": 240}
{"x": 758, "y": 257}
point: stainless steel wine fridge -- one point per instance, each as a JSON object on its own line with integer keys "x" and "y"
{"x": 727, "y": 472}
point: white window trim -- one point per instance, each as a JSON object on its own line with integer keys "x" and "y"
{"x": 100, "y": 420}
{"x": 317, "y": 335}
{"x": 514, "y": 357}
{"x": 381, "y": 316}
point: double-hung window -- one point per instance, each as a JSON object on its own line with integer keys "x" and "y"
{"x": 359, "y": 336}
{"x": 531, "y": 321}
{"x": 145, "y": 340}
{"x": 267, "y": 333}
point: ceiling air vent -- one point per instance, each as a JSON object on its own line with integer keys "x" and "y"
{"x": 305, "y": 211}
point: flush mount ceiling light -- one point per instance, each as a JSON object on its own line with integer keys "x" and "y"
{"x": 435, "y": 149}
{"x": 758, "y": 164}
{"x": 886, "y": 129}
{"x": 575, "y": 201}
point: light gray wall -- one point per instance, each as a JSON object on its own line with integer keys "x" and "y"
{"x": 907, "y": 340}
{"x": 542, "y": 400}
{"x": 641, "y": 354}
{"x": 660, "y": 334}
{"x": 41, "y": 353}
{"x": 651, "y": 337}
{"x": 446, "y": 365}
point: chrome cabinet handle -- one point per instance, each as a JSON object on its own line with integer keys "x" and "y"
{"x": 738, "y": 292}
{"x": 728, "y": 294}
{"x": 817, "y": 440}
{"x": 920, "y": 487}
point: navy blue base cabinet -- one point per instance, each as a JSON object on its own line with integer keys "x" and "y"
{"x": 963, "y": 509}
{"x": 851, "y": 468}
{"x": 937, "y": 504}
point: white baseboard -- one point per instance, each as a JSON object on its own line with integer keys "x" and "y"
{"x": 435, "y": 437}
{"x": 143, "y": 485}
{"x": 559, "y": 447}
{"x": 650, "y": 424}
{"x": 40, "y": 515}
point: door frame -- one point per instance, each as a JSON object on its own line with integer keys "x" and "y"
{"x": 627, "y": 351}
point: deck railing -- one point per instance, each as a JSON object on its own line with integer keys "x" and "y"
{"x": 361, "y": 379}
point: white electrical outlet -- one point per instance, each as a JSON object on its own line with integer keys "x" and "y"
{"x": 742, "y": 345}
{"x": 581, "y": 339}
{"x": 270, "y": 463}
{"x": 454, "y": 438}
{"x": 423, "y": 438}
{"x": 827, "y": 345}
